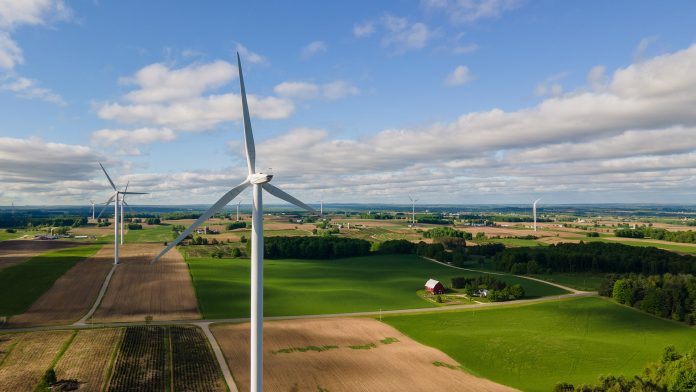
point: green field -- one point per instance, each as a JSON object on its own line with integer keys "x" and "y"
{"x": 160, "y": 233}
{"x": 578, "y": 281}
{"x": 22, "y": 284}
{"x": 4, "y": 235}
{"x": 516, "y": 242}
{"x": 532, "y": 347}
{"x": 295, "y": 287}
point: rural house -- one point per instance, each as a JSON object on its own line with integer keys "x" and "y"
{"x": 434, "y": 286}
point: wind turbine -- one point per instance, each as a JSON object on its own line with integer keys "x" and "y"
{"x": 238, "y": 203}
{"x": 413, "y": 201}
{"x": 116, "y": 197}
{"x": 534, "y": 212}
{"x": 259, "y": 182}
{"x": 321, "y": 208}
{"x": 92, "y": 201}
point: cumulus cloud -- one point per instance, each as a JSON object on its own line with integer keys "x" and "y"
{"x": 403, "y": 35}
{"x": 471, "y": 11}
{"x": 108, "y": 137}
{"x": 31, "y": 12}
{"x": 304, "y": 90}
{"x": 314, "y": 48}
{"x": 10, "y": 53}
{"x": 29, "y": 89}
{"x": 363, "y": 30}
{"x": 249, "y": 56}
{"x": 461, "y": 75}
{"x": 176, "y": 99}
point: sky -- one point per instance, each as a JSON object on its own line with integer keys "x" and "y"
{"x": 452, "y": 101}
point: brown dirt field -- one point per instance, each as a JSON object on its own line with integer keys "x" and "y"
{"x": 18, "y": 251}
{"x": 30, "y": 358}
{"x": 139, "y": 289}
{"x": 88, "y": 358}
{"x": 650, "y": 240}
{"x": 95, "y": 231}
{"x": 405, "y": 365}
{"x": 507, "y": 232}
{"x": 72, "y": 295}
{"x": 6, "y": 342}
{"x": 375, "y": 223}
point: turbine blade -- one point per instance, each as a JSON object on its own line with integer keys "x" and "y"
{"x": 248, "y": 135}
{"x": 226, "y": 198}
{"x": 106, "y": 204}
{"x": 281, "y": 194}
{"x": 125, "y": 192}
{"x": 134, "y": 193}
{"x": 107, "y": 177}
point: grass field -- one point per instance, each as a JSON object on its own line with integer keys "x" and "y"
{"x": 22, "y": 284}
{"x": 160, "y": 233}
{"x": 579, "y": 281}
{"x": 295, "y": 287}
{"x": 533, "y": 347}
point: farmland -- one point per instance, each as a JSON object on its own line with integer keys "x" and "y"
{"x": 532, "y": 347}
{"x": 22, "y": 284}
{"x": 327, "y": 286}
{"x": 142, "y": 357}
{"x": 71, "y": 296}
{"x": 88, "y": 358}
{"x": 194, "y": 367}
{"x": 15, "y": 252}
{"x": 359, "y": 355}
{"x": 31, "y": 355}
{"x": 139, "y": 289}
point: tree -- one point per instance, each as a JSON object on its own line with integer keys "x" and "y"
{"x": 517, "y": 291}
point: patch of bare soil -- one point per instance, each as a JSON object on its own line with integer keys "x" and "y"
{"x": 139, "y": 289}
{"x": 349, "y": 354}
{"x": 17, "y": 251}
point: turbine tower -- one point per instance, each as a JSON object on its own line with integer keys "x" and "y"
{"x": 117, "y": 198}
{"x": 413, "y": 202}
{"x": 259, "y": 182}
{"x": 238, "y": 203}
{"x": 534, "y": 212}
{"x": 92, "y": 201}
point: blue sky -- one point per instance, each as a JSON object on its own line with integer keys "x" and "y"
{"x": 458, "y": 101}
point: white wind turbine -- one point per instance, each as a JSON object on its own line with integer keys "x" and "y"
{"x": 534, "y": 212}
{"x": 92, "y": 201}
{"x": 413, "y": 202}
{"x": 238, "y": 204}
{"x": 116, "y": 197}
{"x": 259, "y": 182}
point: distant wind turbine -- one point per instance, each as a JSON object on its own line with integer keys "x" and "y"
{"x": 413, "y": 202}
{"x": 238, "y": 204}
{"x": 534, "y": 212}
{"x": 259, "y": 182}
{"x": 116, "y": 198}
{"x": 92, "y": 201}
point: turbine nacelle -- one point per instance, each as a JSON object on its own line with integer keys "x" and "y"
{"x": 259, "y": 178}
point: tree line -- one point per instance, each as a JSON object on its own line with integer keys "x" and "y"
{"x": 674, "y": 372}
{"x": 498, "y": 290}
{"x": 687, "y": 237}
{"x": 592, "y": 257}
{"x": 668, "y": 296}
{"x": 314, "y": 247}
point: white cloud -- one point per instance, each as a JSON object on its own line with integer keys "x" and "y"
{"x": 597, "y": 77}
{"x": 249, "y": 56}
{"x": 363, "y": 30}
{"x": 403, "y": 35}
{"x": 313, "y": 48}
{"x": 10, "y": 52}
{"x": 109, "y": 137}
{"x": 461, "y": 75}
{"x": 176, "y": 99}
{"x": 304, "y": 90}
{"x": 470, "y": 11}
{"x": 15, "y": 13}
{"x": 297, "y": 90}
{"x": 642, "y": 47}
{"x": 29, "y": 89}
{"x": 158, "y": 83}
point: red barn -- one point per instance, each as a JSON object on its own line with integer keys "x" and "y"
{"x": 434, "y": 286}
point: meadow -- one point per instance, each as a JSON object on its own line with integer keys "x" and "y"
{"x": 533, "y": 347}
{"x": 22, "y": 284}
{"x": 296, "y": 287}
{"x": 159, "y": 233}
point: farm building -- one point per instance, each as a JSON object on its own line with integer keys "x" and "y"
{"x": 434, "y": 286}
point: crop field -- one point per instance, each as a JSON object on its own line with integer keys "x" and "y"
{"x": 353, "y": 354}
{"x": 22, "y": 284}
{"x": 296, "y": 287}
{"x": 18, "y": 251}
{"x": 88, "y": 358}
{"x": 139, "y": 289}
{"x": 194, "y": 367}
{"x": 532, "y": 347}
{"x": 155, "y": 233}
{"x": 71, "y": 296}
{"x": 141, "y": 361}
{"x": 31, "y": 356}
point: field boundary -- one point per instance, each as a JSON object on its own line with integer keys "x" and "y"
{"x": 222, "y": 362}
{"x": 97, "y": 302}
